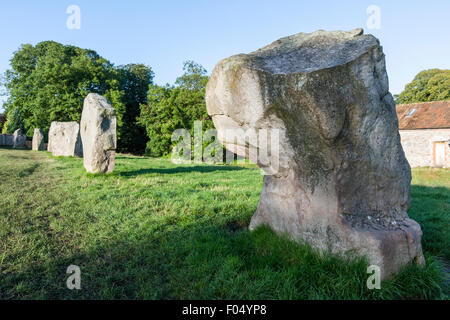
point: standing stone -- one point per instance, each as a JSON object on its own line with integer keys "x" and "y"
{"x": 98, "y": 133}
{"x": 50, "y": 136}
{"x": 343, "y": 182}
{"x": 6, "y": 140}
{"x": 64, "y": 139}
{"x": 19, "y": 139}
{"x": 38, "y": 140}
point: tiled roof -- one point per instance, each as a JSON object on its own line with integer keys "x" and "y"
{"x": 424, "y": 115}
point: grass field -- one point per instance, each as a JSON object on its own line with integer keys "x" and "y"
{"x": 155, "y": 230}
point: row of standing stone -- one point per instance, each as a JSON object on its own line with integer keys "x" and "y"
{"x": 94, "y": 139}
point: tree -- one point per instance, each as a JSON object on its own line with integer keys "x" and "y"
{"x": 428, "y": 85}
{"x": 134, "y": 81}
{"x": 48, "y": 82}
{"x": 174, "y": 107}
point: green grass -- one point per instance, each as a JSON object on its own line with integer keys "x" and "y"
{"x": 155, "y": 230}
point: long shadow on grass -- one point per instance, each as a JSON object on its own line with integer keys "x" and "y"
{"x": 197, "y": 261}
{"x": 437, "y": 193}
{"x": 180, "y": 169}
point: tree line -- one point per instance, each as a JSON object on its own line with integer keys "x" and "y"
{"x": 49, "y": 81}
{"x": 428, "y": 85}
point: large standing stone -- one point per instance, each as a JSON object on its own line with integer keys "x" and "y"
{"x": 64, "y": 139}
{"x": 19, "y": 139}
{"x": 343, "y": 184}
{"x": 98, "y": 133}
{"x": 38, "y": 140}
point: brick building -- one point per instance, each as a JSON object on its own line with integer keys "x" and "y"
{"x": 425, "y": 133}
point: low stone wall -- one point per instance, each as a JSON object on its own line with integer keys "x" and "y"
{"x": 6, "y": 140}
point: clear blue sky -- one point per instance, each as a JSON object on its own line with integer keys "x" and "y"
{"x": 415, "y": 34}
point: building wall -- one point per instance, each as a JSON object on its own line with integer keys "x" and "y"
{"x": 419, "y": 148}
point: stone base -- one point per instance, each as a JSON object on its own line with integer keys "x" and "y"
{"x": 315, "y": 218}
{"x": 103, "y": 162}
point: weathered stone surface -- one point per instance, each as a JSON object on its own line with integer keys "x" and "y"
{"x": 19, "y": 139}
{"x": 343, "y": 184}
{"x": 38, "y": 140}
{"x": 98, "y": 133}
{"x": 64, "y": 139}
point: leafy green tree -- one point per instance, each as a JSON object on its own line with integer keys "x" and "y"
{"x": 428, "y": 85}
{"x": 134, "y": 80}
{"x": 194, "y": 77}
{"x": 48, "y": 82}
{"x": 174, "y": 107}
